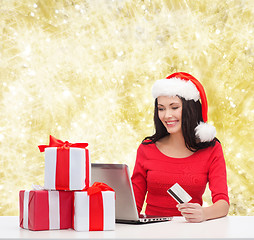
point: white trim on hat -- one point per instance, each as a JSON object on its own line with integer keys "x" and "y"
{"x": 175, "y": 86}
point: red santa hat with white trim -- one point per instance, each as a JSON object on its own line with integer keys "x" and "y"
{"x": 186, "y": 86}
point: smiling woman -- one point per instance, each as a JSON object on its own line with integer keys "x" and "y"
{"x": 170, "y": 113}
{"x": 183, "y": 150}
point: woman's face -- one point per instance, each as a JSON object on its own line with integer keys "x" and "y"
{"x": 170, "y": 113}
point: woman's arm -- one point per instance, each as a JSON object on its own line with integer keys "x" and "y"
{"x": 218, "y": 209}
{"x": 193, "y": 212}
{"x": 139, "y": 179}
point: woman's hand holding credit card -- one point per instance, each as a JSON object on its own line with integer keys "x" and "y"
{"x": 193, "y": 212}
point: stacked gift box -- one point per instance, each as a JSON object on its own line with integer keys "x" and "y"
{"x": 67, "y": 200}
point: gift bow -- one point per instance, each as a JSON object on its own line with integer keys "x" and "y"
{"x": 54, "y": 142}
{"x": 98, "y": 187}
{"x": 37, "y": 187}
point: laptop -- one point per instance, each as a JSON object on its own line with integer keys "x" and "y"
{"x": 117, "y": 176}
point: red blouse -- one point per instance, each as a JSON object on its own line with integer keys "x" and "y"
{"x": 155, "y": 172}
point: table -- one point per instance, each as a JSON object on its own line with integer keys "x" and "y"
{"x": 228, "y": 227}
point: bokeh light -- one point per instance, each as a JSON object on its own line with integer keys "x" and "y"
{"x": 83, "y": 71}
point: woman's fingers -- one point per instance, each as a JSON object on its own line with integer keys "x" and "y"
{"x": 192, "y": 212}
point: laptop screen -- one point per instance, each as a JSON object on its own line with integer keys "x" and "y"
{"x": 117, "y": 177}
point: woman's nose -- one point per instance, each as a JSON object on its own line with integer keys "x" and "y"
{"x": 168, "y": 114}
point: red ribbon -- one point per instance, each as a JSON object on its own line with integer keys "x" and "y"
{"x": 96, "y": 212}
{"x": 54, "y": 142}
{"x": 98, "y": 187}
{"x": 96, "y": 217}
{"x": 62, "y": 169}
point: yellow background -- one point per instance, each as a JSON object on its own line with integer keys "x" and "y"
{"x": 83, "y": 71}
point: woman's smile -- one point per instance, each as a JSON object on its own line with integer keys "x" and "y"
{"x": 171, "y": 123}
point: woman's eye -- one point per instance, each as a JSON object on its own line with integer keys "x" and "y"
{"x": 160, "y": 109}
{"x": 175, "y": 108}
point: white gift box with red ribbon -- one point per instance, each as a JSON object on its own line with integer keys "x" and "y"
{"x": 67, "y": 165}
{"x": 94, "y": 211}
{"x": 67, "y": 169}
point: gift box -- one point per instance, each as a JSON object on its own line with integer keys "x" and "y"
{"x": 45, "y": 210}
{"x": 67, "y": 165}
{"x": 94, "y": 209}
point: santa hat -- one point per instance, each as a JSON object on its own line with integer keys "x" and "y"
{"x": 186, "y": 86}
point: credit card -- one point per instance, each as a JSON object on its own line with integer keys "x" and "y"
{"x": 179, "y": 194}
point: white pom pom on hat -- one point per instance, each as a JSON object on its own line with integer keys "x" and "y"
{"x": 205, "y": 132}
{"x": 186, "y": 86}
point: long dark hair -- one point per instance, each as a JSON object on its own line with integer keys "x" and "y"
{"x": 191, "y": 117}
